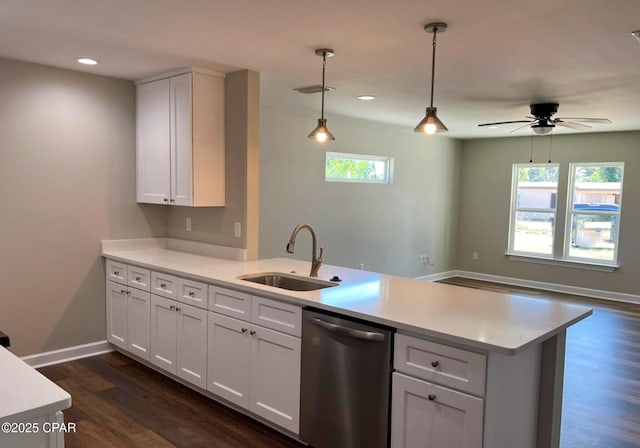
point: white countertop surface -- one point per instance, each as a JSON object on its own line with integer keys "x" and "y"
{"x": 25, "y": 392}
{"x": 488, "y": 321}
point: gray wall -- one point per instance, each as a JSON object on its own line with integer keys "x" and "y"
{"x": 67, "y": 176}
{"x": 215, "y": 225}
{"x": 485, "y": 201}
{"x": 384, "y": 227}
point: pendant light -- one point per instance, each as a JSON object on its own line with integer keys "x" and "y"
{"x": 431, "y": 123}
{"x": 321, "y": 134}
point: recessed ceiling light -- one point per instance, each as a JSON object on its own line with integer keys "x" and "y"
{"x": 366, "y": 97}
{"x": 636, "y": 34}
{"x": 492, "y": 127}
{"x": 87, "y": 61}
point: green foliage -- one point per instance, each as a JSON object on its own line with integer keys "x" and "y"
{"x": 341, "y": 168}
{"x": 538, "y": 174}
{"x": 599, "y": 174}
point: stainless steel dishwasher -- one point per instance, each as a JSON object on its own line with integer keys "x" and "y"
{"x": 345, "y": 382}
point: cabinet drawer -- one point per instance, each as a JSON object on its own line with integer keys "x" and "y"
{"x": 164, "y": 285}
{"x": 139, "y": 278}
{"x": 117, "y": 272}
{"x": 192, "y": 293}
{"x": 277, "y": 315}
{"x": 230, "y": 303}
{"x": 440, "y": 364}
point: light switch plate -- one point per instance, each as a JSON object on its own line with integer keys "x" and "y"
{"x": 237, "y": 229}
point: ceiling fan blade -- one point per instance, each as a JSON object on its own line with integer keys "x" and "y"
{"x": 586, "y": 120}
{"x": 505, "y": 122}
{"x": 572, "y": 125}
{"x": 521, "y": 127}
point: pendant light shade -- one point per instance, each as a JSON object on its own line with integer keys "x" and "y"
{"x": 321, "y": 134}
{"x": 431, "y": 124}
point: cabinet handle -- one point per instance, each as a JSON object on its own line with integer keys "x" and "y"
{"x": 244, "y": 330}
{"x": 172, "y": 307}
{"x": 116, "y": 273}
{"x": 166, "y": 200}
{"x": 172, "y": 200}
{"x": 191, "y": 294}
{"x": 138, "y": 279}
{"x": 163, "y": 285}
{"x": 178, "y": 309}
{"x": 252, "y": 333}
{"x": 123, "y": 291}
{"x": 435, "y": 364}
{"x": 431, "y": 397}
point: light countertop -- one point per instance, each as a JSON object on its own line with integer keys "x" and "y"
{"x": 483, "y": 320}
{"x": 25, "y": 393}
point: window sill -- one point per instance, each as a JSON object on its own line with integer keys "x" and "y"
{"x": 564, "y": 263}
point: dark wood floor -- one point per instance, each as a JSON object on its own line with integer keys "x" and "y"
{"x": 118, "y": 402}
{"x": 601, "y": 402}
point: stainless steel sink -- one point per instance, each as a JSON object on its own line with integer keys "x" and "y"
{"x": 287, "y": 281}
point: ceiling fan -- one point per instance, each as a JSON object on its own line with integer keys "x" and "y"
{"x": 541, "y": 122}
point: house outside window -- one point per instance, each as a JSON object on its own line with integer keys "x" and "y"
{"x": 594, "y": 205}
{"x": 533, "y": 209}
{"x": 593, "y": 212}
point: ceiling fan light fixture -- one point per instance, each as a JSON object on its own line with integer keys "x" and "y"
{"x": 431, "y": 124}
{"x": 542, "y": 129}
{"x": 321, "y": 134}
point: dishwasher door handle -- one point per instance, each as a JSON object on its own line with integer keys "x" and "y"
{"x": 359, "y": 334}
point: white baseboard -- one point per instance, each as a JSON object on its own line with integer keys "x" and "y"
{"x": 67, "y": 354}
{"x": 437, "y": 276}
{"x": 556, "y": 287}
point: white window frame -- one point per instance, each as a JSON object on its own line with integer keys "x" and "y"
{"x": 570, "y": 213}
{"x": 514, "y": 210}
{"x": 388, "y": 175}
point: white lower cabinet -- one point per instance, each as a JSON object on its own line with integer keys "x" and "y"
{"x": 128, "y": 318}
{"x": 425, "y": 415}
{"x": 179, "y": 339}
{"x": 255, "y": 368}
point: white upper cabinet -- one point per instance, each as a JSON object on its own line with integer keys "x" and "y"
{"x": 180, "y": 140}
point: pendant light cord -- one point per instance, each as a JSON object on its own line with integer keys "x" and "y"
{"x": 324, "y": 63}
{"x": 433, "y": 63}
{"x": 531, "y": 151}
{"x": 550, "y": 145}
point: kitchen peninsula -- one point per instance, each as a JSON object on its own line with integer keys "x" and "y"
{"x": 495, "y": 360}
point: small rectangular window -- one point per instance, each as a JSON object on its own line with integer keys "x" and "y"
{"x": 593, "y": 212}
{"x": 533, "y": 209}
{"x": 340, "y": 167}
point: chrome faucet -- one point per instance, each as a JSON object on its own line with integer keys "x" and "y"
{"x": 316, "y": 261}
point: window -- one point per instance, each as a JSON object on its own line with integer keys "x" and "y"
{"x": 593, "y": 211}
{"x": 533, "y": 209}
{"x": 593, "y": 206}
{"x": 358, "y": 168}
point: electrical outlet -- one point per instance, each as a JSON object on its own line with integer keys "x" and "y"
{"x": 237, "y": 230}
{"x": 187, "y": 224}
{"x": 475, "y": 255}
{"x": 361, "y": 266}
{"x": 423, "y": 259}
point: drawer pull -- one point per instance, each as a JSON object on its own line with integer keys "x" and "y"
{"x": 163, "y": 285}
{"x": 244, "y": 330}
{"x": 116, "y": 273}
{"x": 178, "y": 309}
{"x": 138, "y": 279}
{"x": 252, "y": 333}
{"x": 123, "y": 291}
{"x": 172, "y": 307}
{"x": 431, "y": 397}
{"x": 435, "y": 364}
{"x": 166, "y": 200}
{"x": 191, "y": 294}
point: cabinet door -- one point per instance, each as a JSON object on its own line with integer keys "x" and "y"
{"x": 192, "y": 344}
{"x": 229, "y": 359}
{"x": 153, "y": 139}
{"x": 181, "y": 156}
{"x": 139, "y": 323}
{"x": 164, "y": 333}
{"x": 117, "y": 312}
{"x": 424, "y": 415}
{"x": 275, "y": 377}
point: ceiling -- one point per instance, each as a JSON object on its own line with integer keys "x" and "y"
{"x": 497, "y": 57}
